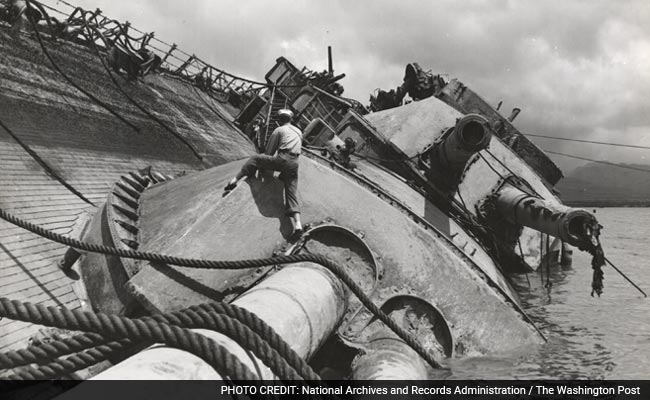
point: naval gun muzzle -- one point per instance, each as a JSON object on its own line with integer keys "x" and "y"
{"x": 449, "y": 157}
{"x": 572, "y": 225}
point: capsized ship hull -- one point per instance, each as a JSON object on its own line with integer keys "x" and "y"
{"x": 396, "y": 254}
{"x": 449, "y": 145}
{"x": 379, "y": 218}
{"x": 88, "y": 148}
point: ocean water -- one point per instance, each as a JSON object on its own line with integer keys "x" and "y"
{"x": 588, "y": 337}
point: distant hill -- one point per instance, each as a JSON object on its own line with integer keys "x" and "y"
{"x": 604, "y": 185}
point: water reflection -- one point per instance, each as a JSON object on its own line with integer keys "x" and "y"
{"x": 589, "y": 337}
{"x": 575, "y": 349}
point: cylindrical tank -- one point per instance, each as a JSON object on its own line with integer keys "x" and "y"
{"x": 389, "y": 359}
{"x": 573, "y": 226}
{"x": 448, "y": 159}
{"x": 386, "y": 357}
{"x": 303, "y": 303}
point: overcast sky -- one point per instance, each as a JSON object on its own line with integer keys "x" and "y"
{"x": 576, "y": 68}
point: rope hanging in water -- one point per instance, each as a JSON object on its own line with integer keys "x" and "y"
{"x": 239, "y": 264}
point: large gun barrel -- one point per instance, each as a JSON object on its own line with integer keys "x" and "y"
{"x": 449, "y": 157}
{"x": 573, "y": 226}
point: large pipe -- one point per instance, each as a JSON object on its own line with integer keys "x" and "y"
{"x": 389, "y": 359}
{"x": 303, "y": 303}
{"x": 386, "y": 357}
{"x": 330, "y": 64}
{"x": 571, "y": 225}
{"x": 470, "y": 135}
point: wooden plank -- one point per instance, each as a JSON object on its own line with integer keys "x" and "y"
{"x": 18, "y": 332}
{"x": 53, "y": 226}
{"x": 28, "y": 240}
{"x": 26, "y": 288}
{"x": 29, "y": 251}
{"x": 33, "y": 272}
{"x": 44, "y": 197}
{"x": 35, "y": 268}
{"x": 47, "y": 204}
{"x": 13, "y": 230}
{"x": 53, "y": 210}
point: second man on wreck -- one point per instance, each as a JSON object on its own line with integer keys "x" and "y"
{"x": 282, "y": 152}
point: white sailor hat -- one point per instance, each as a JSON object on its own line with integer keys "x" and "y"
{"x": 286, "y": 112}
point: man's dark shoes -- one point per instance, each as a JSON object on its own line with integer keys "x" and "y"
{"x": 230, "y": 186}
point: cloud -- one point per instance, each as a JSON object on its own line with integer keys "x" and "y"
{"x": 577, "y": 68}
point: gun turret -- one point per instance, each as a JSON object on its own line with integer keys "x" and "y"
{"x": 449, "y": 156}
{"x": 572, "y": 225}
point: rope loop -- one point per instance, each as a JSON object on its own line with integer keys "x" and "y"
{"x": 119, "y": 327}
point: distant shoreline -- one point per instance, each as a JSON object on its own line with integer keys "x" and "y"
{"x": 608, "y": 203}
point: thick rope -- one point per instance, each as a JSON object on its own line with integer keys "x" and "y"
{"x": 116, "y": 327}
{"x": 284, "y": 363}
{"x": 52, "y": 350}
{"x": 265, "y": 331}
{"x": 49, "y": 351}
{"x": 239, "y": 264}
{"x": 82, "y": 360}
{"x": 242, "y": 335}
{"x": 275, "y": 346}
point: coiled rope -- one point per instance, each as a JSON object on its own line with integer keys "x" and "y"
{"x": 197, "y": 318}
{"x": 244, "y": 327}
{"x": 116, "y": 327}
{"x": 61, "y": 367}
{"x": 336, "y": 269}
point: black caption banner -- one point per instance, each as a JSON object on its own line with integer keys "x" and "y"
{"x": 186, "y": 390}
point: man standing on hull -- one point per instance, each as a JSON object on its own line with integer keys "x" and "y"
{"x": 282, "y": 152}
